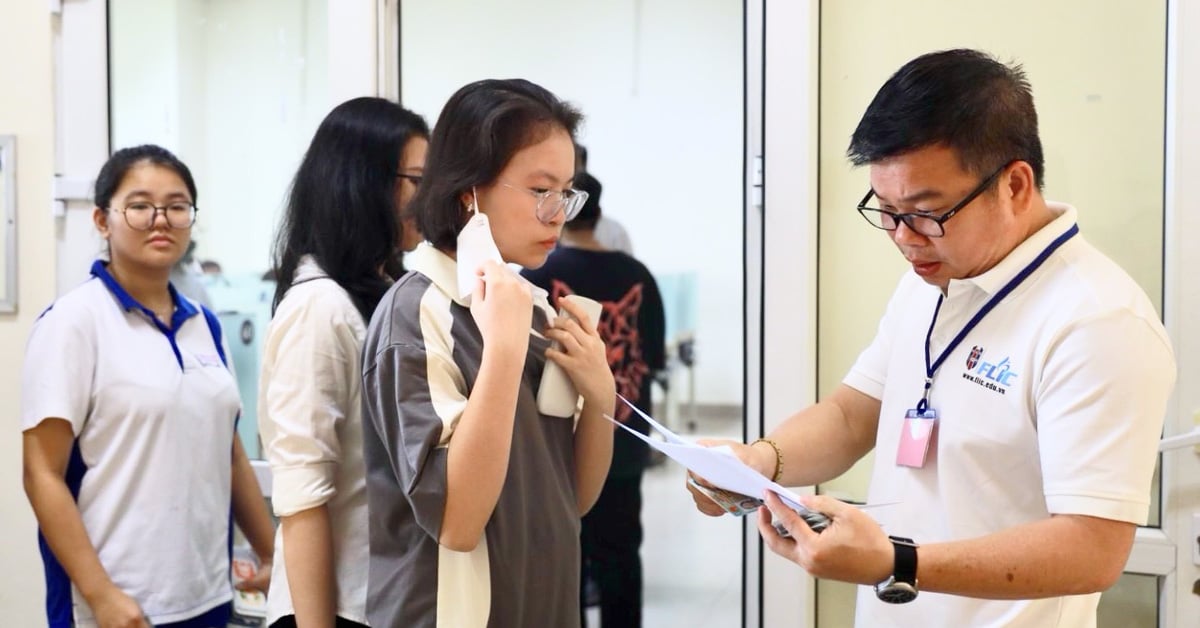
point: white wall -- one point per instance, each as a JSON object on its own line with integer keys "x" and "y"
{"x": 660, "y": 83}
{"x": 27, "y": 111}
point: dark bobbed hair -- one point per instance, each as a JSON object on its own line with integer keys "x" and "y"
{"x": 341, "y": 208}
{"x": 589, "y": 215}
{"x": 963, "y": 99}
{"x": 113, "y": 172}
{"x": 479, "y": 130}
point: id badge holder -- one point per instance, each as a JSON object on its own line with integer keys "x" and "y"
{"x": 915, "y": 437}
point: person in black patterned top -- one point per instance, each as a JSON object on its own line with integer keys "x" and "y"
{"x": 633, "y": 326}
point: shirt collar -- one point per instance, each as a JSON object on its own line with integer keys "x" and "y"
{"x": 307, "y": 270}
{"x": 999, "y": 275}
{"x": 443, "y": 271}
{"x": 183, "y": 308}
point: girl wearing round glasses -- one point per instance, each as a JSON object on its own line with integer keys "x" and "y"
{"x": 131, "y": 460}
{"x": 476, "y": 497}
{"x": 336, "y": 246}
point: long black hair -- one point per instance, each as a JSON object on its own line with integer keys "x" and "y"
{"x": 341, "y": 208}
{"x": 479, "y": 130}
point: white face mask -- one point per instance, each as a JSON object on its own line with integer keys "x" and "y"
{"x": 475, "y": 246}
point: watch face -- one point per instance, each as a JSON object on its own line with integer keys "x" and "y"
{"x": 896, "y": 592}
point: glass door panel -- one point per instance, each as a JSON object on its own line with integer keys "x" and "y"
{"x": 661, "y": 87}
{"x": 1101, "y": 110}
{"x": 235, "y": 89}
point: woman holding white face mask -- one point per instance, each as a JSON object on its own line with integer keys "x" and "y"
{"x": 475, "y": 495}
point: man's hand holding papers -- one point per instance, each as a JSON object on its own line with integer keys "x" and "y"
{"x": 721, "y": 468}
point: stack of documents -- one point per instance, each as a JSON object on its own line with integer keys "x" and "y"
{"x": 721, "y": 468}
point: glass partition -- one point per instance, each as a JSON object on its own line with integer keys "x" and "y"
{"x": 660, "y": 85}
{"x": 235, "y": 88}
{"x": 1101, "y": 116}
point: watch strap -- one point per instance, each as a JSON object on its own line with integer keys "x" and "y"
{"x": 905, "y": 568}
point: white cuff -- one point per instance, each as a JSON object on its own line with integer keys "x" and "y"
{"x": 1135, "y": 512}
{"x": 296, "y": 489}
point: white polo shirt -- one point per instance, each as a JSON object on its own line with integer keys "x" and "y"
{"x": 1053, "y": 404}
{"x": 310, "y": 420}
{"x": 153, "y": 411}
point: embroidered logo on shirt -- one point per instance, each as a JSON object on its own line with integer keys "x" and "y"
{"x": 994, "y": 376}
{"x": 973, "y": 359}
{"x": 209, "y": 359}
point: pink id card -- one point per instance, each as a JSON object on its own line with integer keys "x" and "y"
{"x": 915, "y": 436}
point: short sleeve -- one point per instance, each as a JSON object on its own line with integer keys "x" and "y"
{"x": 869, "y": 373}
{"x": 414, "y": 398}
{"x": 1101, "y": 401}
{"x": 58, "y": 373}
{"x": 306, "y": 393}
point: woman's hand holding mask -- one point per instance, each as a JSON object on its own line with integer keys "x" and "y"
{"x": 502, "y": 306}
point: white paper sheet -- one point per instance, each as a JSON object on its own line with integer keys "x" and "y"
{"x": 718, "y": 466}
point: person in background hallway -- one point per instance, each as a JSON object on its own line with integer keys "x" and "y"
{"x": 608, "y": 232}
{"x": 131, "y": 460}
{"x": 475, "y": 497}
{"x": 633, "y": 327}
{"x": 1016, "y": 431}
{"x": 340, "y": 232}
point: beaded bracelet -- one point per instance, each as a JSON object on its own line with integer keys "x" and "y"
{"x": 778, "y": 457}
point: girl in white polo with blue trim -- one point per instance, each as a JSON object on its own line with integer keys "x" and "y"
{"x": 131, "y": 461}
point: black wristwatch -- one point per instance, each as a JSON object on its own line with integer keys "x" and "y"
{"x": 901, "y": 586}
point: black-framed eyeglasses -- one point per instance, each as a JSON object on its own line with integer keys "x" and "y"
{"x": 549, "y": 202}
{"x": 415, "y": 178}
{"x": 924, "y": 224}
{"x": 141, "y": 215}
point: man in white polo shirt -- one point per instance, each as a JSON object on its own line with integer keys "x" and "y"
{"x": 1014, "y": 393}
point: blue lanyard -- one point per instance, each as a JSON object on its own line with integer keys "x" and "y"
{"x": 931, "y": 368}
